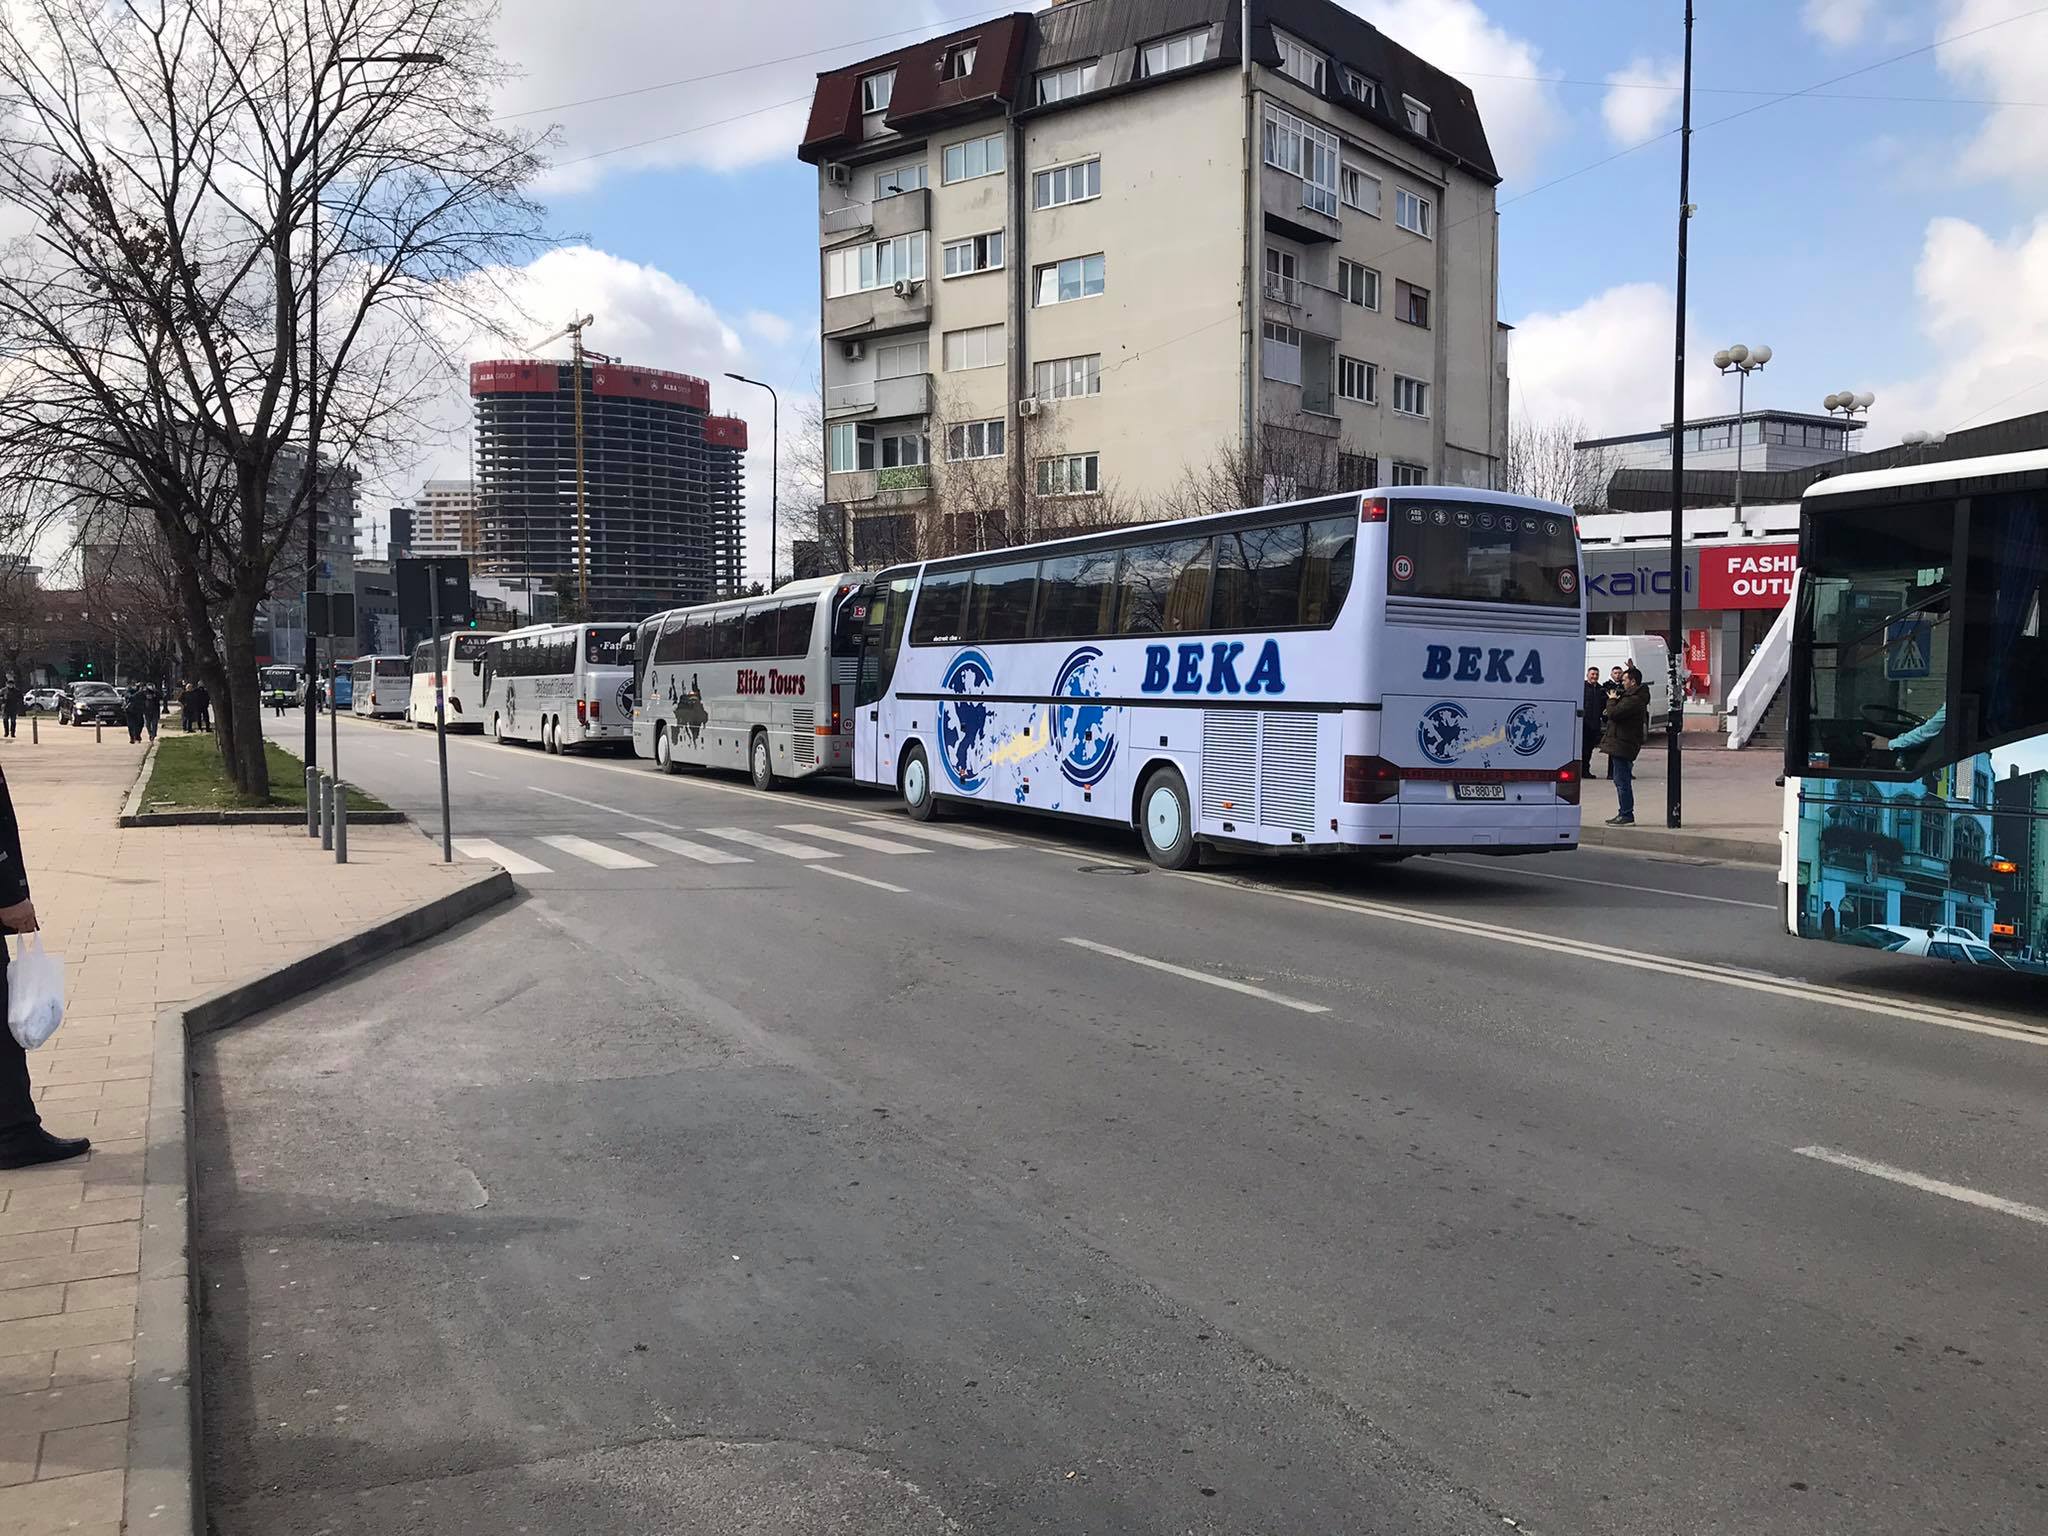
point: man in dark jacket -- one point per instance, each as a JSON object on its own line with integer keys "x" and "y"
{"x": 1627, "y": 725}
{"x": 1590, "y": 719}
{"x": 23, "y": 1141}
{"x": 152, "y": 708}
{"x": 133, "y": 713}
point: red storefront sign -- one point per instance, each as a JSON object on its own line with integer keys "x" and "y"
{"x": 1747, "y": 575}
{"x": 514, "y": 376}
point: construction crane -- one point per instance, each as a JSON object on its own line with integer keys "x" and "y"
{"x": 574, "y": 331}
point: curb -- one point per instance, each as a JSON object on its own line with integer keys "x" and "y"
{"x": 1722, "y": 850}
{"x": 279, "y": 818}
{"x": 134, "y": 801}
{"x": 163, "y": 1492}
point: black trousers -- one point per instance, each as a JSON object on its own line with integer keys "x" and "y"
{"x": 11, "y": 718}
{"x": 18, "y": 1115}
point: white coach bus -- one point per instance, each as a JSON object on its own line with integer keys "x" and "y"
{"x": 380, "y": 686}
{"x": 560, "y": 685}
{"x": 1389, "y": 672}
{"x": 460, "y": 659}
{"x": 762, "y": 684}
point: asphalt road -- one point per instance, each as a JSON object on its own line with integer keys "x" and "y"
{"x": 775, "y": 1165}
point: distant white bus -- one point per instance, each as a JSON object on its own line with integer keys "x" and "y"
{"x": 560, "y": 686}
{"x": 461, "y": 663}
{"x": 381, "y": 685}
{"x": 763, "y": 684}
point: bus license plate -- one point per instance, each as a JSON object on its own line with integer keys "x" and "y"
{"x": 1479, "y": 791}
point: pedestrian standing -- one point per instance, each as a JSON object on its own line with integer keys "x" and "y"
{"x": 202, "y": 705}
{"x": 1590, "y": 720}
{"x": 1827, "y": 920}
{"x": 1627, "y": 725}
{"x": 152, "y": 708}
{"x": 10, "y": 706}
{"x": 23, "y": 1141}
{"x": 133, "y": 712}
{"x": 185, "y": 706}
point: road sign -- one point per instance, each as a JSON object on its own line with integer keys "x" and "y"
{"x": 1909, "y": 649}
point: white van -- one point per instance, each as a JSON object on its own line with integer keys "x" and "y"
{"x": 1652, "y": 658}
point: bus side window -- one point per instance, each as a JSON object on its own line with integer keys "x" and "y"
{"x": 1326, "y": 573}
{"x": 1000, "y": 605}
{"x": 941, "y": 610}
{"x": 727, "y": 638}
{"x": 1258, "y": 578}
{"x": 793, "y": 626}
{"x": 1165, "y": 587}
{"x": 1076, "y": 597}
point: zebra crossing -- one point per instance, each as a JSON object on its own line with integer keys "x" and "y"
{"x": 805, "y": 842}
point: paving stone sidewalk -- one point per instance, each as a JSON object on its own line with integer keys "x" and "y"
{"x": 145, "y": 919}
{"x": 1732, "y": 803}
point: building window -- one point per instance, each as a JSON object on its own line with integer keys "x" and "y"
{"x": 977, "y": 253}
{"x": 1078, "y": 277}
{"x": 1363, "y": 88}
{"x": 1410, "y": 474}
{"x": 1299, "y": 62}
{"x": 876, "y": 91}
{"x": 852, "y": 446}
{"x": 1066, "y": 377}
{"x": 1358, "y": 380}
{"x": 902, "y": 447}
{"x": 1354, "y": 472}
{"x": 1070, "y": 474}
{"x": 975, "y": 440}
{"x": 911, "y": 176}
{"x": 1177, "y": 52}
{"x": 1411, "y": 397}
{"x": 901, "y": 360}
{"x": 1358, "y": 284}
{"x": 959, "y": 62}
{"x": 1066, "y": 84}
{"x": 873, "y": 264}
{"x": 1065, "y": 184}
{"x": 1282, "y": 275}
{"x": 1280, "y": 358}
{"x": 1411, "y": 304}
{"x": 974, "y": 157}
{"x": 1412, "y": 212}
{"x": 1360, "y": 189}
{"x": 978, "y": 347}
{"x": 1418, "y": 115}
{"x": 1302, "y": 149}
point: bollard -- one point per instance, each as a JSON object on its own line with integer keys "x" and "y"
{"x": 340, "y": 822}
{"x": 312, "y": 802}
{"x": 96, "y": 737}
{"x": 326, "y": 811}
{"x": 35, "y": 731}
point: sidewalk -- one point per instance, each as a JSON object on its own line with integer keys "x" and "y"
{"x": 1731, "y": 803}
{"x": 145, "y": 919}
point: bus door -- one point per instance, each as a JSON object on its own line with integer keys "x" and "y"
{"x": 875, "y": 725}
{"x": 849, "y": 617}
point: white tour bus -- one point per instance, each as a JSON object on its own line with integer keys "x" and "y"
{"x": 461, "y": 662}
{"x": 560, "y": 685}
{"x": 762, "y": 684}
{"x": 380, "y": 685}
{"x": 1389, "y": 672}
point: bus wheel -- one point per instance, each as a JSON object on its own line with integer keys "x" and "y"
{"x": 498, "y": 729}
{"x": 1164, "y": 821}
{"x": 915, "y": 781}
{"x": 760, "y": 766}
{"x": 550, "y": 737}
{"x": 664, "y": 750}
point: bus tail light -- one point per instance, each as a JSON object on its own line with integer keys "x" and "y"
{"x": 582, "y": 712}
{"x": 1568, "y": 784}
{"x": 1370, "y": 780}
{"x": 1372, "y": 510}
{"x": 835, "y": 711}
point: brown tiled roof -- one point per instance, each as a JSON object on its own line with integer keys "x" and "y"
{"x": 921, "y": 98}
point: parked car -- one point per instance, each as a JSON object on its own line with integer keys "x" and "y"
{"x": 93, "y": 704}
{"x": 1942, "y": 942}
{"x": 44, "y": 698}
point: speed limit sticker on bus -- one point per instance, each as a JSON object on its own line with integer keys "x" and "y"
{"x": 1404, "y": 568}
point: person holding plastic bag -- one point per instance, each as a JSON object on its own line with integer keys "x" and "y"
{"x": 23, "y": 1141}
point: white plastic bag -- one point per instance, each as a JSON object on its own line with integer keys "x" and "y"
{"x": 35, "y": 992}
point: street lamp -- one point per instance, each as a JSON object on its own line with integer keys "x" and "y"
{"x": 1848, "y": 402}
{"x": 774, "y": 463}
{"x": 1923, "y": 440}
{"x": 1741, "y": 361}
{"x": 315, "y": 498}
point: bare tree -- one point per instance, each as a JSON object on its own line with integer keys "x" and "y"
{"x": 1545, "y": 459}
{"x": 1281, "y": 464}
{"x": 174, "y": 159}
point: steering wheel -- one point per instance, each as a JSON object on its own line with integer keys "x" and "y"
{"x": 1889, "y": 721}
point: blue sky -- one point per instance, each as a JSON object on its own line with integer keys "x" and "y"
{"x": 1895, "y": 244}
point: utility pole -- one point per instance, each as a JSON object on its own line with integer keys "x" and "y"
{"x": 1675, "y": 757}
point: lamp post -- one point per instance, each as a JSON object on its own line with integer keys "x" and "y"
{"x": 1923, "y": 440}
{"x": 1848, "y": 402}
{"x": 315, "y": 414}
{"x": 774, "y": 463}
{"x": 1741, "y": 361}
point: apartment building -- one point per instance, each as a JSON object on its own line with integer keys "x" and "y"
{"x": 444, "y": 520}
{"x": 1070, "y": 259}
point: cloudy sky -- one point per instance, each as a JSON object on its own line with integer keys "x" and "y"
{"x": 1885, "y": 230}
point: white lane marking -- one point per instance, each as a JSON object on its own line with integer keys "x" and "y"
{"x": 612, "y": 810}
{"x": 1920, "y": 1181}
{"x": 1612, "y": 885}
{"x": 1202, "y": 976}
{"x": 852, "y": 839}
{"x": 768, "y": 844}
{"x": 595, "y": 853}
{"x": 1884, "y": 1006}
{"x": 844, "y": 874}
{"x": 475, "y": 775}
{"x": 689, "y": 850}
{"x": 936, "y": 834}
{"x": 680, "y": 781}
{"x": 497, "y": 853}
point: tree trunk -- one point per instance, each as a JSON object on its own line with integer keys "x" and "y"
{"x": 243, "y": 701}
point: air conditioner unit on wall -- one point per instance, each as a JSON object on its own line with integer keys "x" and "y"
{"x": 839, "y": 175}
{"x": 906, "y": 286}
{"x": 1027, "y": 409}
{"x": 853, "y": 351}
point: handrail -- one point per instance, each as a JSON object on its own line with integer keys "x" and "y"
{"x": 1760, "y": 681}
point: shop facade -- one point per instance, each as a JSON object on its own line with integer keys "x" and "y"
{"x": 1733, "y": 591}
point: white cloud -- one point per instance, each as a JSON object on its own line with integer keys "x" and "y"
{"x": 2007, "y": 63}
{"x": 771, "y": 328}
{"x": 1642, "y": 100}
{"x": 1521, "y": 113}
{"x": 1605, "y": 364}
{"x": 1838, "y": 23}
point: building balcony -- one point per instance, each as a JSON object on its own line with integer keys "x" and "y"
{"x": 901, "y": 213}
{"x": 1281, "y": 198}
{"x": 906, "y": 396}
{"x": 1304, "y": 305}
{"x": 879, "y": 309}
{"x": 1301, "y": 408}
{"x": 873, "y": 490}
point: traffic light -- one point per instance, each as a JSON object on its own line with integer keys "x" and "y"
{"x": 88, "y": 669}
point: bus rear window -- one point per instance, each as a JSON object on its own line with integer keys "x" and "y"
{"x": 1482, "y": 552}
{"x": 471, "y": 647}
{"x": 608, "y": 648}
{"x": 394, "y": 666}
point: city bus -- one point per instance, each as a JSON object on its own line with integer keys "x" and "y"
{"x": 1388, "y": 672}
{"x": 380, "y": 686}
{"x": 280, "y": 685}
{"x": 1916, "y": 749}
{"x": 761, "y": 684}
{"x": 560, "y": 686}
{"x": 461, "y": 662}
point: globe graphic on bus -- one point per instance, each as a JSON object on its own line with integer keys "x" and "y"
{"x": 1081, "y": 735}
{"x": 964, "y": 746}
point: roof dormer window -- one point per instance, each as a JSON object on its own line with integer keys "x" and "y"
{"x": 876, "y": 91}
{"x": 1418, "y": 115}
{"x": 958, "y": 63}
